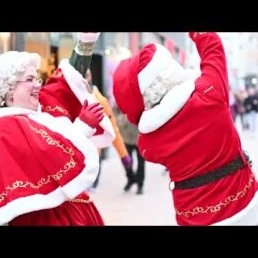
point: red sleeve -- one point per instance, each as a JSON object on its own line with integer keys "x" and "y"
{"x": 213, "y": 61}
{"x": 57, "y": 98}
{"x": 41, "y": 169}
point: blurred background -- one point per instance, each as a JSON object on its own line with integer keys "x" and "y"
{"x": 241, "y": 49}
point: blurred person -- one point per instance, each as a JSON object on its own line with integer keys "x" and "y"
{"x": 48, "y": 156}
{"x": 251, "y": 107}
{"x": 185, "y": 124}
{"x": 118, "y": 142}
{"x": 130, "y": 134}
{"x": 233, "y": 105}
{"x": 240, "y": 97}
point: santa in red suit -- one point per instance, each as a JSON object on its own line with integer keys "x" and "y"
{"x": 185, "y": 124}
{"x": 48, "y": 139}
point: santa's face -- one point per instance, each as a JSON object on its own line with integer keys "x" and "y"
{"x": 25, "y": 92}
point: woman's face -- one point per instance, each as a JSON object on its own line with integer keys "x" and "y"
{"x": 25, "y": 92}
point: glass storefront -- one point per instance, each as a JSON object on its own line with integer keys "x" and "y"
{"x": 38, "y": 42}
{"x": 5, "y": 41}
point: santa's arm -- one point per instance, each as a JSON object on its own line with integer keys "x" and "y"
{"x": 213, "y": 61}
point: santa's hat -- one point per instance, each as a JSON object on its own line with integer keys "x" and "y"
{"x": 134, "y": 75}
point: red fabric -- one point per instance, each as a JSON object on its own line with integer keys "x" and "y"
{"x": 28, "y": 167}
{"x": 22, "y": 176}
{"x": 67, "y": 214}
{"x": 57, "y": 99}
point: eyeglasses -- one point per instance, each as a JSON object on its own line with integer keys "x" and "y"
{"x": 36, "y": 80}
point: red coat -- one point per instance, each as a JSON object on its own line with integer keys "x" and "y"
{"x": 49, "y": 158}
{"x": 200, "y": 137}
{"x": 46, "y": 163}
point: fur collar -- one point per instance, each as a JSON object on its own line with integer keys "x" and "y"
{"x": 8, "y": 111}
{"x": 169, "y": 106}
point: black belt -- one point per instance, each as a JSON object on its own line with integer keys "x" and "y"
{"x": 212, "y": 176}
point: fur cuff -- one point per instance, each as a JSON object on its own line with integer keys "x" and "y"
{"x": 86, "y": 129}
{"x": 173, "y": 101}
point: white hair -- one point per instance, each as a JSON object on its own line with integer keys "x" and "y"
{"x": 13, "y": 64}
{"x": 173, "y": 74}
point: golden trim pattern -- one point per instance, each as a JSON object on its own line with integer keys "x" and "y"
{"x": 71, "y": 163}
{"x": 217, "y": 207}
{"x": 56, "y": 108}
{"x": 81, "y": 200}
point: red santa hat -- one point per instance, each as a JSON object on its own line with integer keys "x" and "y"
{"x": 134, "y": 75}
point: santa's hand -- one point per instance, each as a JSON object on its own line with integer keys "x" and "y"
{"x": 92, "y": 114}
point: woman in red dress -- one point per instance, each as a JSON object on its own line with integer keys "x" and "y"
{"x": 48, "y": 142}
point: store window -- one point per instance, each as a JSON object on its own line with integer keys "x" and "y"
{"x": 5, "y": 39}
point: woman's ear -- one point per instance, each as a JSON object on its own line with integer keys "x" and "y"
{"x": 9, "y": 99}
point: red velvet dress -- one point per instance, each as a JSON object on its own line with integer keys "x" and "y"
{"x": 80, "y": 211}
{"x": 47, "y": 161}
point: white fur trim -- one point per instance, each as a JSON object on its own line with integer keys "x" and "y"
{"x": 88, "y": 36}
{"x": 246, "y": 217}
{"x": 77, "y": 85}
{"x": 106, "y": 139}
{"x": 8, "y": 111}
{"x": 153, "y": 69}
{"x": 30, "y": 203}
{"x": 172, "y": 102}
{"x": 87, "y": 130}
{"x": 76, "y": 82}
{"x": 63, "y": 126}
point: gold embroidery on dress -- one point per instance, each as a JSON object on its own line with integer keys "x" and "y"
{"x": 81, "y": 200}
{"x": 56, "y": 108}
{"x": 43, "y": 181}
{"x": 219, "y": 206}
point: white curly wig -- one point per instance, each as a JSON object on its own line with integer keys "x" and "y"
{"x": 12, "y": 66}
{"x": 174, "y": 74}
